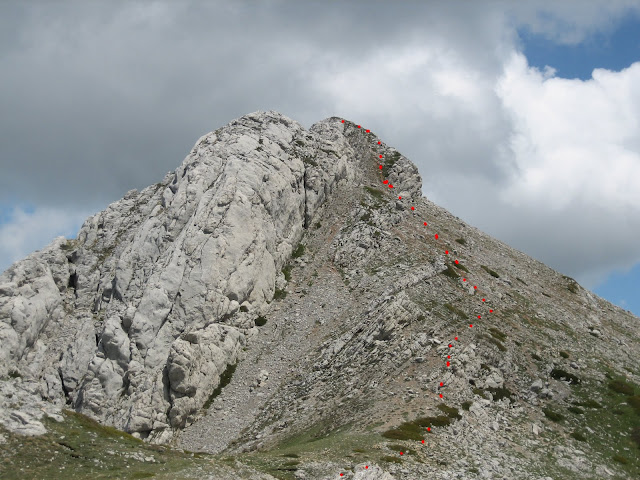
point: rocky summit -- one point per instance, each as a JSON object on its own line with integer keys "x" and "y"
{"x": 286, "y": 304}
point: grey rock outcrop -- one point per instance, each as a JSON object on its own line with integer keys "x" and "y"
{"x": 139, "y": 316}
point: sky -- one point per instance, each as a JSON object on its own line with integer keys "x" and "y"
{"x": 522, "y": 117}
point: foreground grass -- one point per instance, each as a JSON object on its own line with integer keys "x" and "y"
{"x": 80, "y": 448}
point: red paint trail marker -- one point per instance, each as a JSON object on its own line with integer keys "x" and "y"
{"x": 368, "y": 131}
{"x": 484, "y": 300}
{"x": 379, "y": 143}
{"x": 440, "y": 395}
{"x": 412, "y": 208}
{"x": 448, "y": 356}
{"x": 425, "y": 224}
{"x": 436, "y": 236}
{"x": 470, "y": 325}
{"x": 464, "y": 279}
{"x": 448, "y": 364}
{"x": 380, "y": 156}
{"x": 456, "y": 338}
{"x": 428, "y": 429}
{"x": 359, "y": 126}
{"x": 479, "y": 316}
{"x": 390, "y": 186}
{"x": 442, "y": 384}
{"x": 380, "y": 166}
{"x": 490, "y": 311}
{"x": 401, "y": 453}
{"x": 342, "y": 121}
{"x": 342, "y": 474}
{"x": 446, "y": 252}
{"x": 423, "y": 441}
{"x": 457, "y": 262}
{"x": 385, "y": 182}
{"x": 399, "y": 198}
{"x": 475, "y": 287}
{"x": 450, "y": 345}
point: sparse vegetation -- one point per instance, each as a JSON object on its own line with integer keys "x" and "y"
{"x": 500, "y": 393}
{"x": 225, "y": 378}
{"x": 461, "y": 267}
{"x": 451, "y": 412}
{"x": 389, "y": 162}
{"x": 521, "y": 281}
{"x": 579, "y": 436}
{"x": 576, "y": 410}
{"x": 374, "y": 192}
{"x": 497, "y": 334}
{"x": 286, "y": 271}
{"x": 244, "y": 308}
{"x": 537, "y": 357}
{"x": 552, "y": 415}
{"x": 466, "y": 405}
{"x": 298, "y": 252}
{"x": 390, "y": 459}
{"x": 620, "y": 459}
{"x": 261, "y": 321}
{"x": 451, "y": 273}
{"x": 564, "y": 354}
{"x": 454, "y": 310}
{"x": 489, "y": 271}
{"x": 621, "y": 386}
{"x": 494, "y": 341}
{"x": 279, "y": 294}
{"x": 559, "y": 374}
{"x": 461, "y": 241}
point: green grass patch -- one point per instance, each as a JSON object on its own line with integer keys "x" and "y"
{"x": 578, "y": 436}
{"x": 553, "y": 415}
{"x": 455, "y": 310}
{"x": 390, "y": 459}
{"x": 388, "y": 163}
{"x": 451, "y": 412}
{"x": 621, "y": 386}
{"x": 374, "y": 192}
{"x": 489, "y": 271}
{"x": 493, "y": 341}
{"x": 500, "y": 393}
{"x": 451, "y": 273}
{"x": 620, "y": 459}
{"x": 298, "y": 252}
{"x": 576, "y": 410}
{"x": 466, "y": 405}
{"x": 279, "y": 294}
{"x": 560, "y": 374}
{"x": 497, "y": 334}
{"x": 286, "y": 271}
{"x": 462, "y": 267}
{"x": 82, "y": 449}
{"x": 405, "y": 431}
{"x": 225, "y": 378}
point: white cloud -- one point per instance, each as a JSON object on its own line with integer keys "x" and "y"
{"x": 26, "y": 232}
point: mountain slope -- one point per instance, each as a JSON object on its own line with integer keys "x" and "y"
{"x": 362, "y": 290}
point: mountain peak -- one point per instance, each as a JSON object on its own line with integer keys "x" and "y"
{"x": 286, "y": 288}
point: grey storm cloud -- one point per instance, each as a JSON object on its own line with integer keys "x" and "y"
{"x": 97, "y": 98}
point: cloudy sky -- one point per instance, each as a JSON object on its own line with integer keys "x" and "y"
{"x": 523, "y": 117}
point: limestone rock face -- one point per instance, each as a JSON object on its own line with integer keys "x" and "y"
{"x": 139, "y": 316}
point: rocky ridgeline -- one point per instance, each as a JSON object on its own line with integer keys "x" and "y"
{"x": 134, "y": 321}
{"x": 304, "y": 273}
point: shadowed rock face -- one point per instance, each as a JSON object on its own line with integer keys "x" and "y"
{"x": 135, "y": 320}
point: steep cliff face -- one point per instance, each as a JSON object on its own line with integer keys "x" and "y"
{"x": 135, "y": 320}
